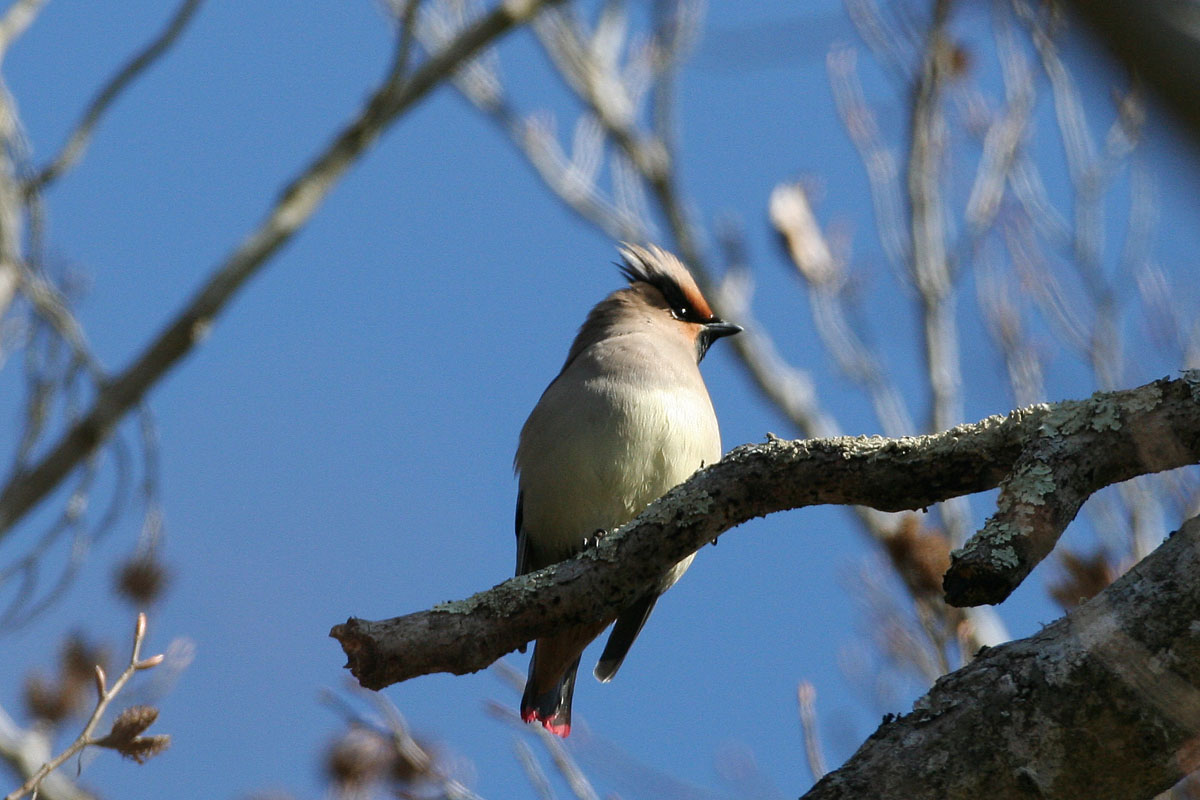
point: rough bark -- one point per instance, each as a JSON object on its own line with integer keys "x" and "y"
{"x": 1104, "y": 703}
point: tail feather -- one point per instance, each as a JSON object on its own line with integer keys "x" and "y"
{"x": 626, "y": 629}
{"x": 552, "y": 707}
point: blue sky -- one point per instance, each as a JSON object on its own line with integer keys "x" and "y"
{"x": 342, "y": 442}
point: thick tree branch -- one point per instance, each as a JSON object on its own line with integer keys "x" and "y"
{"x": 1105, "y": 702}
{"x": 753, "y": 480}
{"x": 1078, "y": 449}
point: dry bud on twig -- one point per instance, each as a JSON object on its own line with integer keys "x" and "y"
{"x": 126, "y": 735}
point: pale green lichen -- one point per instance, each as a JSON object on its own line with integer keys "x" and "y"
{"x": 1145, "y": 399}
{"x": 528, "y": 583}
{"x": 1107, "y": 416}
{"x": 994, "y": 535}
{"x": 1000, "y": 532}
{"x": 1066, "y": 419}
{"x": 997, "y": 420}
{"x": 467, "y": 606}
{"x": 1031, "y": 484}
{"x": 1005, "y": 557}
{"x": 1192, "y": 378}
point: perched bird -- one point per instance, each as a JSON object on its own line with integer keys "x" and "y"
{"x": 627, "y": 419}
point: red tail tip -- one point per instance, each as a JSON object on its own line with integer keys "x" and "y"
{"x": 562, "y": 729}
{"x": 558, "y": 729}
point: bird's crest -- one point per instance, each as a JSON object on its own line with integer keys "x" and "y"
{"x": 665, "y": 272}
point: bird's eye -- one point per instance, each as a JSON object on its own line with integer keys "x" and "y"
{"x": 686, "y": 314}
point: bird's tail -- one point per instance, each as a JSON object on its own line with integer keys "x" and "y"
{"x": 551, "y": 706}
{"x": 628, "y": 626}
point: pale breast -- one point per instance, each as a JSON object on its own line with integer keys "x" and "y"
{"x": 602, "y": 444}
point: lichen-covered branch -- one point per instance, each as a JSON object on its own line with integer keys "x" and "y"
{"x": 754, "y": 480}
{"x": 1079, "y": 448}
{"x": 1105, "y": 702}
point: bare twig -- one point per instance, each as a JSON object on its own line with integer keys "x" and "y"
{"x": 407, "y": 20}
{"x": 394, "y": 756}
{"x": 930, "y": 265}
{"x": 533, "y": 770}
{"x": 892, "y": 41}
{"x": 16, "y": 20}
{"x": 806, "y": 696}
{"x": 792, "y": 216}
{"x": 578, "y": 782}
{"x": 291, "y": 211}
{"x": 105, "y": 695}
{"x": 26, "y": 750}
{"x": 882, "y": 170}
{"x": 146, "y": 57}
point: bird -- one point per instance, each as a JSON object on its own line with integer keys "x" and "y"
{"x": 627, "y": 418}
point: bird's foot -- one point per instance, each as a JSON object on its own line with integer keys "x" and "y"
{"x": 594, "y": 539}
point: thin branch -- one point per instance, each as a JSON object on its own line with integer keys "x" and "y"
{"x": 880, "y": 162}
{"x": 566, "y": 765}
{"x": 16, "y": 20}
{"x": 1005, "y": 137}
{"x": 891, "y": 40}
{"x": 533, "y": 770}
{"x": 106, "y": 694}
{"x": 26, "y": 750}
{"x": 125, "y": 76}
{"x": 930, "y": 263}
{"x": 753, "y": 480}
{"x": 407, "y": 20}
{"x": 291, "y": 211}
{"x": 806, "y": 697}
{"x": 791, "y": 214}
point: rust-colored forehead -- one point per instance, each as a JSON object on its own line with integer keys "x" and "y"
{"x": 665, "y": 272}
{"x": 696, "y": 300}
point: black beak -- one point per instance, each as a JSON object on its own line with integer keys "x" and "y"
{"x": 718, "y": 328}
{"x": 711, "y": 332}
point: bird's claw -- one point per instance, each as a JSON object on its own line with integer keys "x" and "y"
{"x": 594, "y": 539}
